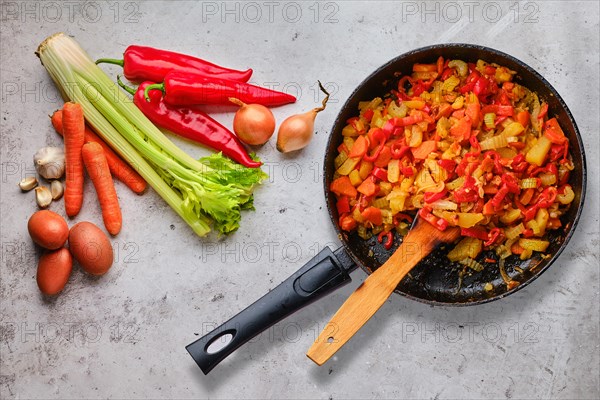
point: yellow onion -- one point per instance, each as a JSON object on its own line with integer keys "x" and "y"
{"x": 296, "y": 131}
{"x": 254, "y": 124}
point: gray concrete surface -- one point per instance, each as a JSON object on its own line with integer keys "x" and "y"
{"x": 123, "y": 335}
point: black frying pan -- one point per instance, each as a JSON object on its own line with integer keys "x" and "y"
{"x": 434, "y": 280}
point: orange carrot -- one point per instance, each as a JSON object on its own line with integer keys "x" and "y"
{"x": 97, "y": 168}
{"x": 73, "y": 132}
{"x": 424, "y": 149}
{"x": 118, "y": 168}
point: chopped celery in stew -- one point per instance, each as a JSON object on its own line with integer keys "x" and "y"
{"x": 463, "y": 145}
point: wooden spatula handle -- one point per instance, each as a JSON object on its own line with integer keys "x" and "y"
{"x": 375, "y": 290}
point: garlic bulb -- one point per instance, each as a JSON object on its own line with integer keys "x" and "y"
{"x": 50, "y": 162}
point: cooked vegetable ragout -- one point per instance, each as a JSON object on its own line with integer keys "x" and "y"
{"x": 463, "y": 145}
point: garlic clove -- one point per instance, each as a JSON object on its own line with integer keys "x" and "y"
{"x": 56, "y": 189}
{"x": 50, "y": 162}
{"x": 43, "y": 196}
{"x": 28, "y": 183}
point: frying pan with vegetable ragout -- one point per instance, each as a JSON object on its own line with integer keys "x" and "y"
{"x": 435, "y": 280}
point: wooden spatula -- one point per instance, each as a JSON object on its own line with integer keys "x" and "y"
{"x": 374, "y": 291}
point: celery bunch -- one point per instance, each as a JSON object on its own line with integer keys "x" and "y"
{"x": 212, "y": 190}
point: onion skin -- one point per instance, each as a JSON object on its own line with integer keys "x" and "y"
{"x": 296, "y": 131}
{"x": 254, "y": 124}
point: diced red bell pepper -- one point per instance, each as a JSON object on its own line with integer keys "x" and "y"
{"x": 553, "y": 132}
{"x": 447, "y": 73}
{"x": 343, "y": 187}
{"x": 476, "y": 232}
{"x": 430, "y": 197}
{"x": 343, "y": 205}
{"x": 360, "y": 147}
{"x": 448, "y": 165}
{"x": 407, "y": 171}
{"x": 380, "y": 174}
{"x": 498, "y": 109}
{"x": 373, "y": 215}
{"x": 368, "y": 114}
{"x": 368, "y": 187}
{"x": 481, "y": 86}
{"x": 527, "y": 233}
{"x": 489, "y": 70}
{"x": 470, "y": 81}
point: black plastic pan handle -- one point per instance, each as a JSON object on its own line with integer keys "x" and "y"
{"x": 324, "y": 273}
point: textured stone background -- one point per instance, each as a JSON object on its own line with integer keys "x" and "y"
{"x": 123, "y": 335}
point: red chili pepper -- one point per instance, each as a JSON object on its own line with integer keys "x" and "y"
{"x": 389, "y": 239}
{"x": 430, "y": 197}
{"x": 530, "y": 212}
{"x": 141, "y": 63}
{"x": 467, "y": 192}
{"x": 495, "y": 157}
{"x": 499, "y": 197}
{"x": 401, "y": 217}
{"x": 190, "y": 123}
{"x": 372, "y": 158}
{"x": 476, "y": 232}
{"x": 399, "y": 150}
{"x": 547, "y": 197}
{"x": 448, "y": 165}
{"x": 184, "y": 89}
{"x": 380, "y": 174}
{"x": 518, "y": 163}
{"x": 511, "y": 183}
{"x": 493, "y": 236}
{"x": 439, "y": 223}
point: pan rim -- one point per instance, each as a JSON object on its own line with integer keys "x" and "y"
{"x": 328, "y": 158}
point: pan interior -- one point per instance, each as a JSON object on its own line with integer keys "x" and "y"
{"x": 435, "y": 280}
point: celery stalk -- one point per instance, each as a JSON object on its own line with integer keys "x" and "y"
{"x": 212, "y": 189}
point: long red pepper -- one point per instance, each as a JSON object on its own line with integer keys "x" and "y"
{"x": 185, "y": 89}
{"x": 141, "y": 63}
{"x": 190, "y": 123}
